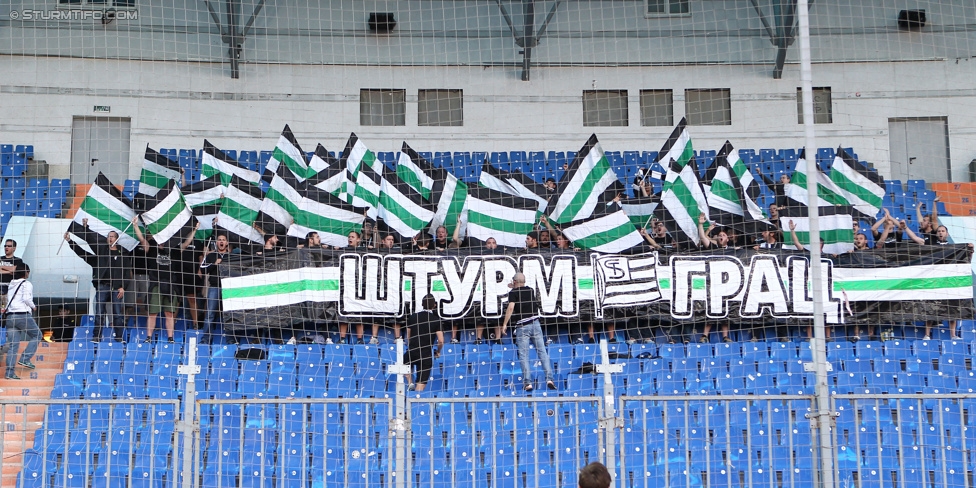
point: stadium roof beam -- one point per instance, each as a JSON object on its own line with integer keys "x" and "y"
{"x": 784, "y": 33}
{"x": 527, "y": 40}
{"x": 232, "y": 36}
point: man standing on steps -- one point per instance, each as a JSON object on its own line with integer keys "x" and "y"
{"x": 20, "y": 323}
{"x": 8, "y": 264}
{"x": 523, "y": 310}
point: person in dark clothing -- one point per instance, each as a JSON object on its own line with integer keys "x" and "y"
{"x": 210, "y": 266}
{"x": 164, "y": 288}
{"x": 423, "y": 328}
{"x": 62, "y": 326}
{"x": 523, "y": 311}
{"x": 8, "y": 264}
{"x": 110, "y": 263}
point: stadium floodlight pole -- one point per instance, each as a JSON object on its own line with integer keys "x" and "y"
{"x": 823, "y": 414}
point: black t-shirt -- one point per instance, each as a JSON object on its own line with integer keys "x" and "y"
{"x": 526, "y": 306}
{"x": 892, "y": 240}
{"x": 189, "y": 261}
{"x": 423, "y": 326}
{"x": 211, "y": 267}
{"x": 11, "y": 261}
{"x": 164, "y": 264}
{"x": 141, "y": 261}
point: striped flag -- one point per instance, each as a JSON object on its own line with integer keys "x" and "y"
{"x": 204, "y": 199}
{"x": 169, "y": 215}
{"x": 640, "y": 209}
{"x": 328, "y": 215}
{"x": 415, "y": 171}
{"x": 330, "y": 174}
{"x": 289, "y": 154}
{"x": 365, "y": 175}
{"x": 623, "y": 281}
{"x": 448, "y": 197}
{"x": 505, "y": 217}
{"x": 215, "y": 162}
{"x": 729, "y": 202}
{"x": 107, "y": 210}
{"x": 239, "y": 209}
{"x": 526, "y": 187}
{"x": 401, "y": 208}
{"x": 494, "y": 178}
{"x": 157, "y": 171}
{"x": 828, "y": 193}
{"x": 321, "y": 159}
{"x": 280, "y": 203}
{"x": 588, "y": 181}
{"x": 836, "y": 227}
{"x": 607, "y": 230}
{"x": 864, "y": 189}
{"x": 682, "y": 195}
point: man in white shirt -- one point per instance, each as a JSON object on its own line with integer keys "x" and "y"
{"x": 20, "y": 323}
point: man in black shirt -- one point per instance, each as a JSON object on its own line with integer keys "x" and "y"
{"x": 422, "y": 328}
{"x": 110, "y": 263}
{"x": 210, "y": 266}
{"x": 8, "y": 264}
{"x": 523, "y": 311}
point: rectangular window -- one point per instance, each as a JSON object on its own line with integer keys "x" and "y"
{"x": 823, "y": 112}
{"x": 709, "y": 106}
{"x": 605, "y": 108}
{"x": 657, "y": 8}
{"x": 382, "y": 107}
{"x": 442, "y": 108}
{"x": 657, "y": 108}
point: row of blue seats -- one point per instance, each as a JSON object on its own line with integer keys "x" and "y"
{"x": 759, "y": 351}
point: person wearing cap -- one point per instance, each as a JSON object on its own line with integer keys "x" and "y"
{"x": 20, "y": 323}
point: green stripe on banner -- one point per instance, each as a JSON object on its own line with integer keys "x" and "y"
{"x": 279, "y": 289}
{"x": 827, "y": 235}
{"x": 501, "y": 225}
{"x": 296, "y": 168}
{"x": 686, "y": 198}
{"x": 411, "y": 179}
{"x": 167, "y": 218}
{"x": 601, "y": 168}
{"x": 282, "y": 200}
{"x": 686, "y": 154}
{"x": 698, "y": 283}
{"x": 154, "y": 180}
{"x": 401, "y": 212}
{"x": 324, "y": 223}
{"x": 663, "y": 283}
{"x": 845, "y": 183}
{"x": 606, "y": 237}
{"x": 724, "y": 190}
{"x": 370, "y": 159}
{"x": 739, "y": 168}
{"x": 585, "y": 283}
{"x": 905, "y": 284}
{"x": 438, "y": 285}
{"x": 100, "y": 212}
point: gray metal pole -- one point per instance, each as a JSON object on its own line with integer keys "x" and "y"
{"x": 610, "y": 422}
{"x": 398, "y": 424}
{"x": 187, "y": 425}
{"x": 823, "y": 413}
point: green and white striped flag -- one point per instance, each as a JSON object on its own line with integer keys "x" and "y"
{"x": 507, "y": 218}
{"x": 588, "y": 181}
{"x": 157, "y": 171}
{"x": 107, "y": 210}
{"x": 169, "y": 215}
{"x": 828, "y": 192}
{"x": 288, "y": 154}
{"x": 239, "y": 209}
{"x": 328, "y": 215}
{"x": 836, "y": 227}
{"x": 640, "y": 209}
{"x": 204, "y": 199}
{"x": 280, "y": 204}
{"x": 330, "y": 174}
{"x": 415, "y": 171}
{"x": 863, "y": 188}
{"x": 365, "y": 175}
{"x": 401, "y": 208}
{"x": 608, "y": 230}
{"x": 729, "y": 202}
{"x": 446, "y": 192}
{"x": 682, "y": 196}
{"x": 215, "y": 162}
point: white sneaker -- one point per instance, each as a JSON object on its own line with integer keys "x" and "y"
{"x": 328, "y": 341}
{"x": 927, "y": 338}
{"x": 374, "y": 340}
{"x": 292, "y": 341}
